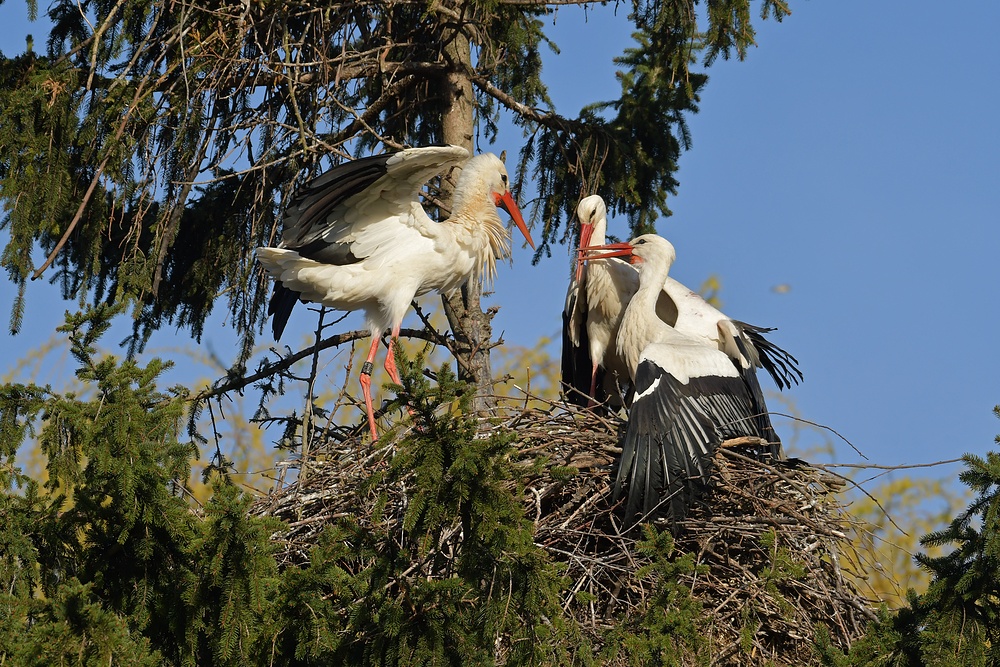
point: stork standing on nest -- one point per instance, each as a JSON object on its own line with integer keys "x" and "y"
{"x": 358, "y": 238}
{"x": 690, "y": 396}
{"x": 592, "y": 369}
{"x": 596, "y": 299}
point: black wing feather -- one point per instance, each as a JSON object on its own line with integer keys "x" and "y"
{"x": 758, "y": 406}
{"x": 673, "y": 430}
{"x": 779, "y": 364}
{"x": 306, "y": 218}
{"x": 760, "y": 416}
{"x": 577, "y": 366}
{"x": 282, "y": 302}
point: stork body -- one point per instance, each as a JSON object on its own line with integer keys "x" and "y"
{"x": 358, "y": 238}
{"x": 591, "y": 367}
{"x": 597, "y": 298}
{"x": 690, "y": 396}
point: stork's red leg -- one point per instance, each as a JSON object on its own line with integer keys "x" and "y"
{"x": 593, "y": 387}
{"x": 390, "y": 364}
{"x": 366, "y": 384}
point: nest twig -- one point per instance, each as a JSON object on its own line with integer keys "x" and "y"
{"x": 771, "y": 535}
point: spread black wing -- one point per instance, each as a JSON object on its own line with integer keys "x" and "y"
{"x": 673, "y": 430}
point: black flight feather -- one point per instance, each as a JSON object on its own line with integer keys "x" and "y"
{"x": 779, "y": 364}
{"x": 673, "y": 430}
{"x": 576, "y": 362}
{"x": 305, "y": 222}
{"x": 282, "y": 302}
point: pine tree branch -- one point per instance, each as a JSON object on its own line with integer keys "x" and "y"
{"x": 548, "y": 119}
{"x": 139, "y": 92}
{"x": 99, "y": 31}
{"x": 365, "y": 120}
{"x": 177, "y": 212}
{"x": 76, "y": 218}
{"x": 270, "y": 79}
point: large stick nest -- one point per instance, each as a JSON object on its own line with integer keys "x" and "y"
{"x": 771, "y": 536}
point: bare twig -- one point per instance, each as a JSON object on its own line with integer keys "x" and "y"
{"x": 822, "y": 426}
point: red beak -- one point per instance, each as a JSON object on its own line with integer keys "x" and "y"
{"x": 609, "y": 250}
{"x": 507, "y": 203}
{"x": 586, "y": 231}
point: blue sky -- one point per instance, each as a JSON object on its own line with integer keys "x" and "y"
{"x": 852, "y": 157}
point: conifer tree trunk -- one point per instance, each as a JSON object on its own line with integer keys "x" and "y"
{"x": 470, "y": 325}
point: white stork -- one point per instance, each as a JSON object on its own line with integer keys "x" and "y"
{"x": 689, "y": 395}
{"x": 597, "y": 298}
{"x": 358, "y": 238}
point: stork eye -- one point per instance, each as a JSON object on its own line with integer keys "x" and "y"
{"x": 503, "y": 177}
{"x": 638, "y": 241}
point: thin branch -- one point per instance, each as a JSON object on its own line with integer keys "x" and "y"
{"x": 307, "y": 413}
{"x": 79, "y": 214}
{"x": 140, "y": 91}
{"x": 872, "y": 466}
{"x": 822, "y": 426}
{"x": 289, "y": 361}
{"x": 872, "y": 498}
{"x": 546, "y": 118}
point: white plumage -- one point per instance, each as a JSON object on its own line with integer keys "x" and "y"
{"x": 592, "y": 369}
{"x": 358, "y": 238}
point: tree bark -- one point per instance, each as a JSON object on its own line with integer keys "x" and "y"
{"x": 470, "y": 325}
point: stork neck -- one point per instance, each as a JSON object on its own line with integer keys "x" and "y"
{"x": 652, "y": 275}
{"x": 599, "y": 236}
{"x": 639, "y": 323}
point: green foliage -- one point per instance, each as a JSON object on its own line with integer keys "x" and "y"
{"x": 637, "y": 139}
{"x": 228, "y": 591}
{"x": 463, "y": 573}
{"x": 42, "y": 160}
{"x": 109, "y": 561}
{"x": 112, "y": 565}
{"x": 782, "y": 567}
{"x": 730, "y": 27}
{"x": 962, "y": 605}
{"x": 70, "y": 628}
{"x": 671, "y": 629}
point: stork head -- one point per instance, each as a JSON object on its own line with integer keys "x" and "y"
{"x": 652, "y": 249}
{"x": 648, "y": 251}
{"x": 488, "y": 172}
{"x": 591, "y": 211}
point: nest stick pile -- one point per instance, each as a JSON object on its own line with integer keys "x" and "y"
{"x": 768, "y": 538}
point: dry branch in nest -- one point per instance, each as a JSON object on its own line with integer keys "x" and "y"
{"x": 769, "y": 538}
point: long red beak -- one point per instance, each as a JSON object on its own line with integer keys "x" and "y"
{"x": 507, "y": 203}
{"x": 586, "y": 231}
{"x": 609, "y": 250}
